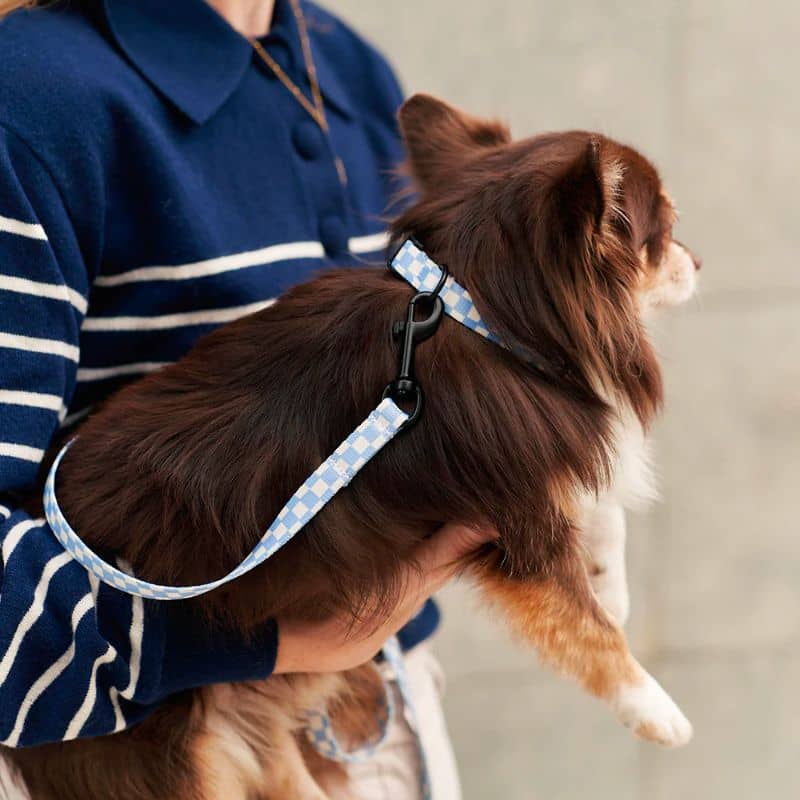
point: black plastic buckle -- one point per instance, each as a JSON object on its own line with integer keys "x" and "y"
{"x": 405, "y": 388}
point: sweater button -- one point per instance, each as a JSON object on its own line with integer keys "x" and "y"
{"x": 307, "y": 139}
{"x": 333, "y": 236}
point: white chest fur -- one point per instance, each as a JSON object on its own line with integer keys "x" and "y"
{"x": 603, "y": 517}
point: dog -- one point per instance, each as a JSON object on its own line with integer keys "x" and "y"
{"x": 564, "y": 241}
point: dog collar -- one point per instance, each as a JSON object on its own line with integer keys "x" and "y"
{"x": 414, "y": 265}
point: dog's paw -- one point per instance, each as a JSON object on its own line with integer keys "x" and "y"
{"x": 652, "y": 714}
{"x": 611, "y": 590}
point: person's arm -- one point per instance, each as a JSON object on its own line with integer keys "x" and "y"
{"x": 76, "y": 658}
{"x": 43, "y": 291}
{"x": 332, "y": 646}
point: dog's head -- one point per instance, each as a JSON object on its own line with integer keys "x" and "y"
{"x": 564, "y": 240}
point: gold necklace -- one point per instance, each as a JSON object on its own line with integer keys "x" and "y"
{"x": 317, "y": 110}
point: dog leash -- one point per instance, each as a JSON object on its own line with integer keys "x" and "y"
{"x": 440, "y": 293}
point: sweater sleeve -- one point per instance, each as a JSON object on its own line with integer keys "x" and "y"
{"x": 76, "y": 658}
{"x": 43, "y": 291}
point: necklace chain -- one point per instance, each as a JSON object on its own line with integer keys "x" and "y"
{"x": 316, "y": 110}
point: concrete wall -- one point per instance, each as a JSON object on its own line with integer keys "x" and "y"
{"x": 709, "y": 90}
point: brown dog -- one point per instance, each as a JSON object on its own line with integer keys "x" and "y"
{"x": 564, "y": 240}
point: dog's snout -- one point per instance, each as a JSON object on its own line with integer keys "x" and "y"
{"x": 696, "y": 260}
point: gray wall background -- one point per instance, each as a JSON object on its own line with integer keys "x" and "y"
{"x": 709, "y": 90}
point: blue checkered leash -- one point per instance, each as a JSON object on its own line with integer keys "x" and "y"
{"x": 439, "y": 293}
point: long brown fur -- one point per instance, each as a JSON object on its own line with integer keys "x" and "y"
{"x": 182, "y": 471}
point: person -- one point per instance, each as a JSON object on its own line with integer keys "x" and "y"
{"x": 165, "y": 168}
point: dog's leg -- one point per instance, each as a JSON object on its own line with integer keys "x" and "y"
{"x": 247, "y": 749}
{"x": 603, "y": 534}
{"x": 231, "y": 769}
{"x": 557, "y": 612}
{"x": 294, "y": 779}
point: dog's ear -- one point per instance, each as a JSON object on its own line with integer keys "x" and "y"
{"x": 437, "y": 136}
{"x": 584, "y": 193}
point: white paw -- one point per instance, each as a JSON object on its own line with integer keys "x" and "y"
{"x": 611, "y": 590}
{"x": 652, "y": 714}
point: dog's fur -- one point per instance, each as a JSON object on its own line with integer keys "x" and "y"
{"x": 564, "y": 241}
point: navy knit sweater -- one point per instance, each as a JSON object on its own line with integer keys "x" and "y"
{"x": 155, "y": 181}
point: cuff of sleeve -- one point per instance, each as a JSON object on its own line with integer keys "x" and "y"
{"x": 420, "y": 627}
{"x": 196, "y": 654}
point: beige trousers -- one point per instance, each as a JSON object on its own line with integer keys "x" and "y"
{"x": 393, "y": 773}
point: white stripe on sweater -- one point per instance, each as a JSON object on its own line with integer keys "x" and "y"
{"x": 52, "y": 291}
{"x": 29, "y": 229}
{"x": 289, "y": 251}
{"x": 52, "y": 347}
{"x": 21, "y": 451}
{"x": 14, "y": 536}
{"x": 33, "y": 613}
{"x": 83, "y": 713}
{"x": 5, "y": 513}
{"x": 215, "y": 266}
{"x": 109, "y": 655}
{"x": 86, "y": 374}
{"x": 372, "y": 243}
{"x": 94, "y": 586}
{"x": 136, "y": 635}
{"x": 212, "y": 316}
{"x": 51, "y": 402}
{"x": 84, "y": 605}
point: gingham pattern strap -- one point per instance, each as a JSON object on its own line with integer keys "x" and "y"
{"x": 322, "y": 737}
{"x": 320, "y": 733}
{"x": 333, "y": 474}
{"x": 415, "y": 266}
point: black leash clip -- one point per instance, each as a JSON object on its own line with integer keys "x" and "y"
{"x": 405, "y": 388}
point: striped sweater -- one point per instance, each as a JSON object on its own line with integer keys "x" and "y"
{"x": 159, "y": 183}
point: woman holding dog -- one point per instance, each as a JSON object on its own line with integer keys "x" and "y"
{"x": 166, "y": 168}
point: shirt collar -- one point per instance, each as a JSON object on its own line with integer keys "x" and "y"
{"x": 194, "y": 57}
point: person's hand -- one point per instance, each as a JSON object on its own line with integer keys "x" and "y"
{"x": 333, "y": 645}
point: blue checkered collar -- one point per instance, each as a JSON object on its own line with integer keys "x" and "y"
{"x": 414, "y": 265}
